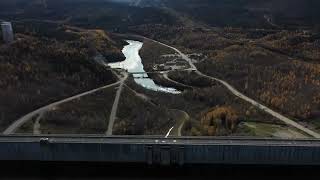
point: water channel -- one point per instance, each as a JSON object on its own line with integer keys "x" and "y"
{"x": 133, "y": 64}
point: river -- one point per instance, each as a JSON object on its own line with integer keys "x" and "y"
{"x": 133, "y": 63}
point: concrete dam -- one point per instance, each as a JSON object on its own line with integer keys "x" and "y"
{"x": 160, "y": 151}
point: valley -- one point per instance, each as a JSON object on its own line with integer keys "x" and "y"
{"x": 163, "y": 68}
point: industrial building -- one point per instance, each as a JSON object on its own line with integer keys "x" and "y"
{"x": 7, "y": 32}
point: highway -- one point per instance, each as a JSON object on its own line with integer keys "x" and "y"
{"x": 244, "y": 97}
{"x": 18, "y": 123}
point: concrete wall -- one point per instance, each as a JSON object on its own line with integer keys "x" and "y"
{"x": 168, "y": 153}
{"x": 7, "y": 32}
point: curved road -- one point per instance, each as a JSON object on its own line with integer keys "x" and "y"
{"x": 183, "y": 56}
{"x": 13, "y": 127}
{"x": 177, "y": 128}
{"x": 18, "y": 123}
{"x": 37, "y": 125}
{"x": 244, "y": 97}
{"x": 166, "y": 76}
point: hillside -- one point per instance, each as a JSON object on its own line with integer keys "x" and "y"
{"x": 38, "y": 69}
{"x": 267, "y": 49}
{"x": 250, "y": 13}
{"x": 119, "y": 16}
{"x": 116, "y": 17}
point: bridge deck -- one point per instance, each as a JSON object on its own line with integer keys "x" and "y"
{"x": 151, "y": 72}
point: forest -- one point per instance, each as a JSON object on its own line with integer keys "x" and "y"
{"x": 268, "y": 50}
{"x": 279, "y": 68}
{"x": 206, "y": 102}
{"x": 39, "y": 69}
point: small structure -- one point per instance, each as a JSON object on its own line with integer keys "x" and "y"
{"x": 7, "y": 32}
{"x": 317, "y": 43}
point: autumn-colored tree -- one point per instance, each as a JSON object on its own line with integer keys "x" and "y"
{"x": 219, "y": 119}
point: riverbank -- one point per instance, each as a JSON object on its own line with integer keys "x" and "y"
{"x": 134, "y": 64}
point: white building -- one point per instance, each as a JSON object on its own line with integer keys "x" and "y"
{"x": 7, "y": 32}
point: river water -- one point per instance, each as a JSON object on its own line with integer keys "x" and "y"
{"x": 133, "y": 63}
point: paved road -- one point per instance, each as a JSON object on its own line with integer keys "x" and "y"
{"x": 165, "y": 75}
{"x": 183, "y": 56}
{"x": 115, "y": 106}
{"x": 244, "y": 97}
{"x": 177, "y": 128}
{"x": 37, "y": 125}
{"x": 141, "y": 96}
{"x": 182, "y": 122}
{"x": 175, "y": 131}
{"x": 18, "y": 123}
